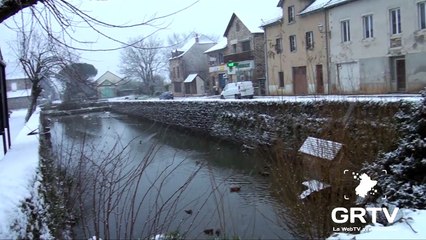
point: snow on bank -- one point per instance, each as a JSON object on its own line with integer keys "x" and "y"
{"x": 307, "y": 98}
{"x": 410, "y": 226}
{"x": 18, "y": 173}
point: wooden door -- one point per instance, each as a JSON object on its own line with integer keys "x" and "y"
{"x": 400, "y": 74}
{"x": 320, "y": 80}
{"x": 299, "y": 80}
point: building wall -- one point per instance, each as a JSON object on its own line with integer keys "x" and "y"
{"x": 217, "y": 70}
{"x": 302, "y": 57}
{"x": 195, "y": 61}
{"x": 274, "y": 59}
{"x": 20, "y": 83}
{"x": 374, "y": 57}
{"x": 18, "y": 102}
{"x": 177, "y": 76}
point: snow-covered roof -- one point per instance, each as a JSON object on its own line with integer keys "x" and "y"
{"x": 19, "y": 93}
{"x": 191, "y": 42}
{"x": 190, "y": 78}
{"x": 320, "y": 148}
{"x": 271, "y": 21}
{"x": 219, "y": 46}
{"x": 315, "y": 6}
{"x": 332, "y": 3}
{"x": 321, "y": 4}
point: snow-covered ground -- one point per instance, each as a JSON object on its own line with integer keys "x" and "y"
{"x": 18, "y": 174}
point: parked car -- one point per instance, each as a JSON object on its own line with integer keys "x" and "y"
{"x": 166, "y": 96}
{"x": 238, "y": 90}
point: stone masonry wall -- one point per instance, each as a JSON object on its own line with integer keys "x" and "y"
{"x": 364, "y": 127}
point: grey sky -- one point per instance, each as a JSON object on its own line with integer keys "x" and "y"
{"x": 205, "y": 16}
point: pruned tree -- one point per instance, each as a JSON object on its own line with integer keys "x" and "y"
{"x": 39, "y": 59}
{"x": 77, "y": 80}
{"x": 143, "y": 62}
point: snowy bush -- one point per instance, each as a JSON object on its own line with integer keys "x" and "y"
{"x": 400, "y": 173}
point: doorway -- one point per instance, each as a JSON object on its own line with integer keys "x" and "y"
{"x": 320, "y": 80}
{"x": 400, "y": 74}
{"x": 299, "y": 80}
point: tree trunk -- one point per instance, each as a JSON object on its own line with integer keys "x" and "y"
{"x": 35, "y": 93}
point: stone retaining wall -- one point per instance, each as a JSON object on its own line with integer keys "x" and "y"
{"x": 364, "y": 127}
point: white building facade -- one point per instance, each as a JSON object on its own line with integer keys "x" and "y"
{"x": 377, "y": 46}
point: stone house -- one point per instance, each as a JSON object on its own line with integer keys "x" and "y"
{"x": 245, "y": 46}
{"x": 377, "y": 46}
{"x": 296, "y": 49}
{"x": 190, "y": 59}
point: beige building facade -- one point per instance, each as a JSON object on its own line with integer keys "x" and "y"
{"x": 296, "y": 50}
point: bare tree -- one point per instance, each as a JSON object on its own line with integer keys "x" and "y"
{"x": 39, "y": 58}
{"x": 143, "y": 62}
{"x": 62, "y": 13}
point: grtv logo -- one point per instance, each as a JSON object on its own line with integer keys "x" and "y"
{"x": 342, "y": 215}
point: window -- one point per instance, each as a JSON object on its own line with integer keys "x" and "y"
{"x": 395, "y": 21}
{"x": 220, "y": 58}
{"x": 14, "y": 86}
{"x": 278, "y": 45}
{"x": 309, "y": 40}
{"x": 234, "y": 48}
{"x": 292, "y": 43}
{"x": 421, "y": 6}
{"x": 178, "y": 73}
{"x": 346, "y": 31}
{"x": 291, "y": 14}
{"x": 237, "y": 27}
{"x": 367, "y": 22}
{"x": 245, "y": 46}
{"x": 281, "y": 79}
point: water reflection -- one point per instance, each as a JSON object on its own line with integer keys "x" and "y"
{"x": 142, "y": 179}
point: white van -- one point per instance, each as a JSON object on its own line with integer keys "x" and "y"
{"x": 238, "y": 90}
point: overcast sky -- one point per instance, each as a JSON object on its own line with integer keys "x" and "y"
{"x": 205, "y": 17}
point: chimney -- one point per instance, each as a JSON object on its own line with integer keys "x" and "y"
{"x": 197, "y": 39}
